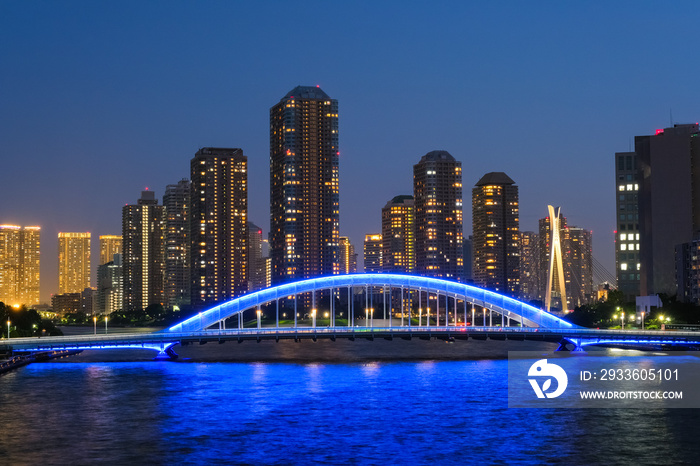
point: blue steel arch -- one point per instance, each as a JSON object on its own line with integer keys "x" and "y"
{"x": 528, "y": 315}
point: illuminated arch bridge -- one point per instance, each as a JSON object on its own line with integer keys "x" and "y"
{"x": 439, "y": 303}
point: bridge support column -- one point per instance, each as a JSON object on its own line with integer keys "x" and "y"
{"x": 402, "y": 307}
{"x": 166, "y": 353}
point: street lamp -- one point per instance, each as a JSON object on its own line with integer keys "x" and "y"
{"x": 106, "y": 318}
{"x": 642, "y": 320}
{"x": 259, "y": 313}
{"x": 313, "y": 316}
{"x": 94, "y": 319}
{"x": 8, "y": 328}
{"x": 420, "y": 316}
{"x": 622, "y": 319}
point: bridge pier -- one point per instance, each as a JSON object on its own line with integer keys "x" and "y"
{"x": 167, "y": 354}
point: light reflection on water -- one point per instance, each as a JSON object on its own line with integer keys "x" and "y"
{"x": 272, "y": 413}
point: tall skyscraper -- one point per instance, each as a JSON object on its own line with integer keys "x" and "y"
{"x": 177, "y": 244}
{"x": 304, "y": 196}
{"x": 256, "y": 263}
{"x": 73, "y": 262}
{"x": 348, "y": 256}
{"x": 495, "y": 219}
{"x": 398, "y": 235}
{"x": 662, "y": 175}
{"x": 373, "y": 253}
{"x": 143, "y": 256}
{"x": 219, "y": 225}
{"x": 19, "y": 264}
{"x": 437, "y": 193}
{"x": 109, "y": 246}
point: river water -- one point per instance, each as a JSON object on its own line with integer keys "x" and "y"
{"x": 387, "y": 412}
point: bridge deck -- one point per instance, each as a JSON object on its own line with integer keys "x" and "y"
{"x": 161, "y": 340}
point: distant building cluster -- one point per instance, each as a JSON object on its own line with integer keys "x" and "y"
{"x": 198, "y": 247}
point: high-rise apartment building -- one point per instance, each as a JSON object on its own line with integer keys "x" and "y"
{"x": 109, "y": 246}
{"x": 373, "y": 253}
{"x": 256, "y": 262}
{"x": 219, "y": 225}
{"x": 19, "y": 264}
{"x": 668, "y": 205}
{"x": 73, "y": 262}
{"x": 109, "y": 286}
{"x": 437, "y": 193}
{"x": 580, "y": 258}
{"x": 143, "y": 253}
{"x": 304, "y": 192}
{"x": 529, "y": 266}
{"x": 348, "y": 256}
{"x": 495, "y": 219}
{"x": 176, "y": 201}
{"x": 398, "y": 235}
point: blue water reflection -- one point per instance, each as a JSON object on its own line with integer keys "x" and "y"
{"x": 433, "y": 412}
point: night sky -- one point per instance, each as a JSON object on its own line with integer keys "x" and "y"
{"x": 99, "y": 100}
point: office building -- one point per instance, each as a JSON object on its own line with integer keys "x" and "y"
{"x": 219, "y": 225}
{"x": 143, "y": 253}
{"x": 437, "y": 193}
{"x": 73, "y": 262}
{"x": 176, "y": 201}
{"x": 628, "y": 265}
{"x": 495, "y": 220}
{"x": 668, "y": 205}
{"x": 109, "y": 246}
{"x": 373, "y": 253}
{"x": 398, "y": 235}
{"x": 19, "y": 264}
{"x": 304, "y": 196}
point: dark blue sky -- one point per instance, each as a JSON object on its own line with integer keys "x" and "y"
{"x": 100, "y": 99}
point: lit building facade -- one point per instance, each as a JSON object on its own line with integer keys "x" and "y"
{"x": 580, "y": 258}
{"x": 143, "y": 253}
{"x": 529, "y": 266}
{"x": 219, "y": 225}
{"x": 304, "y": 186}
{"x": 398, "y": 235}
{"x": 373, "y": 253}
{"x": 109, "y": 286}
{"x": 109, "y": 246}
{"x": 176, "y": 201}
{"x": 256, "y": 262}
{"x": 628, "y": 265}
{"x": 19, "y": 264}
{"x": 348, "y": 256}
{"x": 73, "y": 262}
{"x": 437, "y": 193}
{"x": 496, "y": 223}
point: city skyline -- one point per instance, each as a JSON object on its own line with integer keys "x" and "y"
{"x": 526, "y": 90}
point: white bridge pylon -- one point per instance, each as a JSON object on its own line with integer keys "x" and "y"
{"x": 451, "y": 296}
